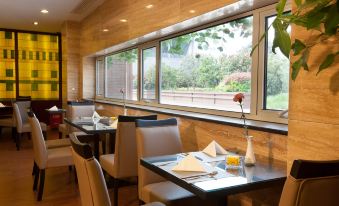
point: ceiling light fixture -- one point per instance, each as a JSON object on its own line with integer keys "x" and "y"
{"x": 192, "y": 11}
{"x": 105, "y": 30}
{"x": 35, "y": 23}
{"x": 44, "y": 11}
{"x": 149, "y": 6}
{"x": 123, "y": 20}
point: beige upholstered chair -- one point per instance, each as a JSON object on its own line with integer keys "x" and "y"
{"x": 45, "y": 158}
{"x": 312, "y": 183}
{"x": 21, "y": 117}
{"x": 123, "y": 163}
{"x": 155, "y": 138}
{"x": 75, "y": 110}
{"x": 92, "y": 185}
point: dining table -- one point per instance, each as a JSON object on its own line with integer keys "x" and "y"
{"x": 218, "y": 181}
{"x": 94, "y": 130}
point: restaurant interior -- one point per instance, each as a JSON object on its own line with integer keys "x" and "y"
{"x": 169, "y": 103}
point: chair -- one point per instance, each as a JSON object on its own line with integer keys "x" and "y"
{"x": 123, "y": 163}
{"x": 45, "y": 158}
{"x": 74, "y": 110}
{"x": 92, "y": 185}
{"x": 21, "y": 117}
{"x": 312, "y": 183}
{"x": 8, "y": 121}
{"x": 155, "y": 138}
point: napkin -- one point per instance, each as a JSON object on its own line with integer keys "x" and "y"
{"x": 2, "y": 105}
{"x": 189, "y": 164}
{"x": 54, "y": 108}
{"x": 96, "y": 115}
{"x": 214, "y": 148}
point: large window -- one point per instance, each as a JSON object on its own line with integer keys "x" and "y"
{"x": 148, "y": 73}
{"x": 100, "y": 77}
{"x": 276, "y": 74}
{"x": 122, "y": 74}
{"x": 201, "y": 69}
{"x": 206, "y": 68}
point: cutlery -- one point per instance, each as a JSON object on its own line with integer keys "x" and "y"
{"x": 211, "y": 174}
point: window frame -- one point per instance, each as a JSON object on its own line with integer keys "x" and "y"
{"x": 97, "y": 80}
{"x": 256, "y": 105}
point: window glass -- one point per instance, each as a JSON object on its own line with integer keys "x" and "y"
{"x": 276, "y": 74}
{"x": 100, "y": 78}
{"x": 149, "y": 73}
{"x": 206, "y": 68}
{"x": 122, "y": 73}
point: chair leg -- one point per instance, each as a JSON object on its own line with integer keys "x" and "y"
{"x": 116, "y": 188}
{"x": 60, "y": 135}
{"x": 13, "y": 133}
{"x": 36, "y": 179}
{"x": 42, "y": 184}
{"x": 70, "y": 167}
{"x": 29, "y": 135}
{"x": 35, "y": 168}
{"x": 17, "y": 141}
{"x": 141, "y": 202}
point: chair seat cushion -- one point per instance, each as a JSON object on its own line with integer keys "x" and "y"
{"x": 168, "y": 193}
{"x": 62, "y": 128}
{"x": 107, "y": 163}
{"x": 154, "y": 204}
{"x": 26, "y": 127}
{"x": 7, "y": 122}
{"x": 57, "y": 143}
{"x": 58, "y": 157}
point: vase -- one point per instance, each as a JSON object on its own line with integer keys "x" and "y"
{"x": 125, "y": 112}
{"x": 249, "y": 157}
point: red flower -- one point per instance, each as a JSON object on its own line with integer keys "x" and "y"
{"x": 238, "y": 97}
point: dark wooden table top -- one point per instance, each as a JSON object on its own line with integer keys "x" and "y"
{"x": 86, "y": 125}
{"x": 265, "y": 173}
{"x": 56, "y": 111}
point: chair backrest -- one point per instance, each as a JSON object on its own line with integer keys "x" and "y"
{"x": 311, "y": 183}
{"x": 155, "y": 138}
{"x": 23, "y": 98}
{"x": 79, "y": 109}
{"x": 125, "y": 156}
{"x": 20, "y": 113}
{"x": 92, "y": 185}
{"x": 39, "y": 147}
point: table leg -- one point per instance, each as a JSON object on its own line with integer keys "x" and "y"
{"x": 112, "y": 142}
{"x": 96, "y": 146}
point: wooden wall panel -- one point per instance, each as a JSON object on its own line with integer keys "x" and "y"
{"x": 87, "y": 78}
{"x": 141, "y": 21}
{"x": 196, "y": 135}
{"x": 70, "y": 60}
{"x": 314, "y": 108}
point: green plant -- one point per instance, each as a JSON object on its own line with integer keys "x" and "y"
{"x": 318, "y": 15}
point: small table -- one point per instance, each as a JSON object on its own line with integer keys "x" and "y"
{"x": 87, "y": 126}
{"x": 55, "y": 117}
{"x": 265, "y": 173}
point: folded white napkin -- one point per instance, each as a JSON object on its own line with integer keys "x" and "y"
{"x": 2, "y": 105}
{"x": 189, "y": 164}
{"x": 96, "y": 115}
{"x": 54, "y": 108}
{"x": 214, "y": 148}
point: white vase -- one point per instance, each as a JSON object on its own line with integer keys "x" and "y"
{"x": 249, "y": 157}
{"x": 125, "y": 112}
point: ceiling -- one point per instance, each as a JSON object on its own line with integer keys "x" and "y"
{"x": 20, "y": 14}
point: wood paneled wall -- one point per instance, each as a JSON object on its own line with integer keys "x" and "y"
{"x": 70, "y": 60}
{"x": 314, "y": 106}
{"x": 141, "y": 21}
{"x": 196, "y": 134}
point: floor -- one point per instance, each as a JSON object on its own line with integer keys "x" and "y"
{"x": 16, "y": 178}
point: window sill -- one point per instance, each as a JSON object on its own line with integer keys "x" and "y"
{"x": 270, "y": 127}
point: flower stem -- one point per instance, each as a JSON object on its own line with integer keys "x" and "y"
{"x": 244, "y": 118}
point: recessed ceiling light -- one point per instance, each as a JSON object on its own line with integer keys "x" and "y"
{"x": 35, "y": 23}
{"x": 105, "y": 30}
{"x": 192, "y": 11}
{"x": 149, "y": 6}
{"x": 123, "y": 20}
{"x": 134, "y": 43}
{"x": 44, "y": 11}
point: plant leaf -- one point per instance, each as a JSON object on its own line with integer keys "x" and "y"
{"x": 261, "y": 38}
{"x": 297, "y": 47}
{"x": 296, "y": 66}
{"x": 332, "y": 20}
{"x": 280, "y": 7}
{"x": 305, "y": 59}
{"x": 297, "y": 2}
{"x": 328, "y": 61}
{"x": 281, "y": 38}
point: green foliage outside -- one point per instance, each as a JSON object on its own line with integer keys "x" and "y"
{"x": 277, "y": 102}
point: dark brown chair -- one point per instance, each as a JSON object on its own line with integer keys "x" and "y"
{"x": 312, "y": 183}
